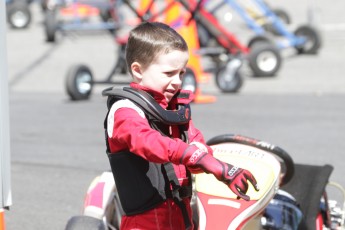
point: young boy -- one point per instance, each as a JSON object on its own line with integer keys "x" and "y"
{"x": 140, "y": 148}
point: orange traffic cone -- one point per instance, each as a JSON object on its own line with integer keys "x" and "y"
{"x": 2, "y": 220}
{"x": 181, "y": 22}
{"x": 201, "y": 98}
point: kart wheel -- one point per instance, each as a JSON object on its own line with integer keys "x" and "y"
{"x": 50, "y": 25}
{"x": 189, "y": 81}
{"x": 121, "y": 66}
{"x": 79, "y": 82}
{"x": 282, "y": 15}
{"x": 85, "y": 223}
{"x": 195, "y": 217}
{"x": 44, "y": 5}
{"x": 313, "y": 40}
{"x": 18, "y": 14}
{"x": 228, "y": 81}
{"x": 264, "y": 59}
{"x": 258, "y": 39}
{"x": 116, "y": 221}
{"x": 287, "y": 164}
{"x": 105, "y": 14}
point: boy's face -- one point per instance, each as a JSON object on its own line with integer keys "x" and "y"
{"x": 164, "y": 74}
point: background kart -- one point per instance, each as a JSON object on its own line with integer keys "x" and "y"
{"x": 305, "y": 39}
{"x": 220, "y": 44}
{"x": 68, "y": 16}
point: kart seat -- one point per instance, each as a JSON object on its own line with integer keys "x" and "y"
{"x": 307, "y": 186}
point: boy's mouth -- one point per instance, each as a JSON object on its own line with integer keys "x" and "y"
{"x": 172, "y": 91}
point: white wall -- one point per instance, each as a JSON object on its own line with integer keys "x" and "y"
{"x": 5, "y": 182}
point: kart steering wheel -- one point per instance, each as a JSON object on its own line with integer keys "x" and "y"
{"x": 287, "y": 164}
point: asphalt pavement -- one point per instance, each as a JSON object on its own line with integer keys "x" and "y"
{"x": 57, "y": 146}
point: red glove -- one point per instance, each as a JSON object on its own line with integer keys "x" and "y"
{"x": 234, "y": 177}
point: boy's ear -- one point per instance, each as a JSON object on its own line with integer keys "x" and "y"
{"x": 136, "y": 71}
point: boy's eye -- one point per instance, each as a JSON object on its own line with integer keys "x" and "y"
{"x": 172, "y": 73}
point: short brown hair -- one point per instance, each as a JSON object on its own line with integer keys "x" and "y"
{"x": 149, "y": 39}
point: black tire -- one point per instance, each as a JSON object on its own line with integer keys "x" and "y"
{"x": 189, "y": 81}
{"x": 195, "y": 217}
{"x": 313, "y": 40}
{"x": 79, "y": 82}
{"x": 44, "y": 5}
{"x": 228, "y": 81}
{"x": 18, "y": 14}
{"x": 117, "y": 217}
{"x": 264, "y": 59}
{"x": 258, "y": 39}
{"x": 106, "y": 17}
{"x": 121, "y": 65}
{"x": 84, "y": 223}
{"x": 282, "y": 15}
{"x": 105, "y": 14}
{"x": 288, "y": 166}
{"x": 50, "y": 25}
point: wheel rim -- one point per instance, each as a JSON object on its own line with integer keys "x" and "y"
{"x": 19, "y": 19}
{"x": 267, "y": 61}
{"x": 226, "y": 81}
{"x": 189, "y": 83}
{"x": 83, "y": 82}
{"x": 309, "y": 41}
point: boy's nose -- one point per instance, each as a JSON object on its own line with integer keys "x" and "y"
{"x": 177, "y": 80}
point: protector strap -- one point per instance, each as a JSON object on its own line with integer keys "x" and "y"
{"x": 177, "y": 192}
{"x": 145, "y": 101}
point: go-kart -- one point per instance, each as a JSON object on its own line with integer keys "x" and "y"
{"x": 263, "y": 21}
{"x": 305, "y": 39}
{"x": 68, "y": 16}
{"x": 218, "y": 42}
{"x": 291, "y": 196}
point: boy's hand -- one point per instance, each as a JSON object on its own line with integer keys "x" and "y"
{"x": 234, "y": 177}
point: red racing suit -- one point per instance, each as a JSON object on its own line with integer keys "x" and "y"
{"x": 128, "y": 129}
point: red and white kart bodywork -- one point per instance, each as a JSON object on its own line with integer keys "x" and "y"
{"x": 215, "y": 206}
{"x": 218, "y": 207}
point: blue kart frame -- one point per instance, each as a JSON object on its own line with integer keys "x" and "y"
{"x": 305, "y": 39}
